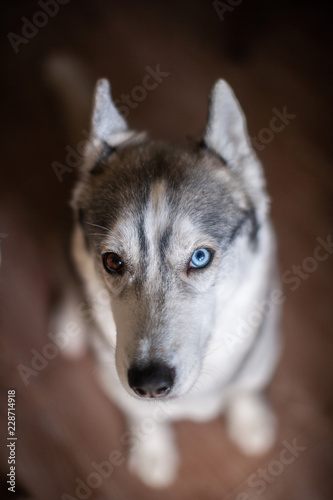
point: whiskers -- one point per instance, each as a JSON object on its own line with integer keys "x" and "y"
{"x": 97, "y": 225}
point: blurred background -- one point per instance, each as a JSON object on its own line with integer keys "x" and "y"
{"x": 277, "y": 56}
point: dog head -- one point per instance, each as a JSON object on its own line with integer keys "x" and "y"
{"x": 168, "y": 232}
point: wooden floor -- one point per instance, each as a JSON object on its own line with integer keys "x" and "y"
{"x": 275, "y": 58}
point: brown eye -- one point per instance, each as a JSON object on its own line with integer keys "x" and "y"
{"x": 113, "y": 262}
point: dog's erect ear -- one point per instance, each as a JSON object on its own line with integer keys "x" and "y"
{"x": 227, "y": 136}
{"x": 109, "y": 130}
{"x": 107, "y": 123}
{"x": 226, "y": 132}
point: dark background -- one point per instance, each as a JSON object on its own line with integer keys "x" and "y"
{"x": 274, "y": 54}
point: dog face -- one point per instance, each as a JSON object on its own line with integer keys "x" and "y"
{"x": 170, "y": 231}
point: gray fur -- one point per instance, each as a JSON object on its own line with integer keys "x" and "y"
{"x": 154, "y": 204}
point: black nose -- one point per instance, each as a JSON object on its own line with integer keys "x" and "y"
{"x": 151, "y": 381}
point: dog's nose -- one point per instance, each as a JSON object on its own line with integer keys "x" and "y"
{"x": 151, "y": 381}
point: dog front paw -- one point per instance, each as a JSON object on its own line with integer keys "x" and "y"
{"x": 155, "y": 460}
{"x": 251, "y": 424}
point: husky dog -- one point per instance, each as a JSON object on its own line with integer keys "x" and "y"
{"x": 178, "y": 242}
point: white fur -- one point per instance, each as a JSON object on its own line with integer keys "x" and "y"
{"x": 250, "y": 422}
{"x": 155, "y": 459}
{"x": 199, "y": 336}
{"x": 107, "y": 121}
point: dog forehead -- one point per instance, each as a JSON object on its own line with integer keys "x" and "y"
{"x": 160, "y": 184}
{"x": 183, "y": 174}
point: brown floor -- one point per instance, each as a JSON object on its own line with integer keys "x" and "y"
{"x": 273, "y": 56}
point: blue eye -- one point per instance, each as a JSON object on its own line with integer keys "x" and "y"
{"x": 201, "y": 258}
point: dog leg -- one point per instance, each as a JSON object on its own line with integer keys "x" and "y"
{"x": 69, "y": 330}
{"x": 251, "y": 423}
{"x": 153, "y": 456}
